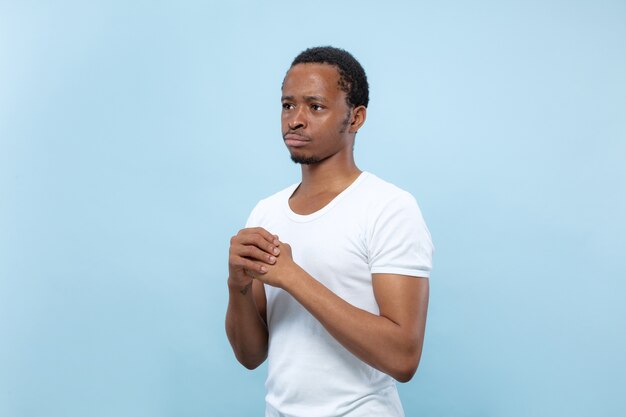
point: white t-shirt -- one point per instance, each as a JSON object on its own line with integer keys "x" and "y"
{"x": 371, "y": 227}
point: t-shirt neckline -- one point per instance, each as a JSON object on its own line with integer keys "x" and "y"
{"x": 302, "y": 218}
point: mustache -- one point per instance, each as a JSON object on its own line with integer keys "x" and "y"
{"x": 296, "y": 133}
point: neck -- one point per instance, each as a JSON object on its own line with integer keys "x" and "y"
{"x": 329, "y": 175}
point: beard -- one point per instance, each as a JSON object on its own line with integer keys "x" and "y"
{"x": 306, "y": 160}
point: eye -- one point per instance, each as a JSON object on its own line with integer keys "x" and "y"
{"x": 316, "y": 107}
{"x": 287, "y": 106}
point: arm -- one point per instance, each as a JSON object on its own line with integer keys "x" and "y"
{"x": 390, "y": 342}
{"x": 251, "y": 251}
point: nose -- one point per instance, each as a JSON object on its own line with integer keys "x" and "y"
{"x": 297, "y": 119}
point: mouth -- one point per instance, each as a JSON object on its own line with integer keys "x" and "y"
{"x": 294, "y": 140}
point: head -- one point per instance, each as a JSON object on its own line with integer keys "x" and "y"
{"x": 325, "y": 96}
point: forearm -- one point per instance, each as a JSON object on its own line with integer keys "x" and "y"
{"x": 245, "y": 328}
{"x": 375, "y": 339}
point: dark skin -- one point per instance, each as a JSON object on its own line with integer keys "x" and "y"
{"x": 319, "y": 126}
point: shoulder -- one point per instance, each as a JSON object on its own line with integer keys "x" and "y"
{"x": 391, "y": 210}
{"x": 383, "y": 195}
{"x": 398, "y": 239}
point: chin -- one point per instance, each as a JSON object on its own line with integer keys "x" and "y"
{"x": 304, "y": 159}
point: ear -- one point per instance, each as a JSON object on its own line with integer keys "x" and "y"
{"x": 358, "y": 118}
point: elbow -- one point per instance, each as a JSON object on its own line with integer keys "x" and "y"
{"x": 250, "y": 365}
{"x": 251, "y": 362}
{"x": 404, "y": 375}
{"x": 405, "y": 369}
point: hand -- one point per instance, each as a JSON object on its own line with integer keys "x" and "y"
{"x": 251, "y": 252}
{"x": 282, "y": 270}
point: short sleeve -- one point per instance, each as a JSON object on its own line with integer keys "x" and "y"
{"x": 399, "y": 241}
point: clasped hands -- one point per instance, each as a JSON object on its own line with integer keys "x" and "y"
{"x": 255, "y": 253}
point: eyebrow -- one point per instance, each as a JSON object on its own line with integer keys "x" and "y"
{"x": 306, "y": 98}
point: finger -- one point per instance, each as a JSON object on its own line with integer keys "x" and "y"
{"x": 260, "y": 242}
{"x": 247, "y": 264}
{"x": 273, "y": 239}
{"x": 254, "y": 253}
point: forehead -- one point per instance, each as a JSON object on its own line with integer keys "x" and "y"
{"x": 312, "y": 79}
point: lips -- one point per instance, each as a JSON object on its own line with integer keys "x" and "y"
{"x": 295, "y": 140}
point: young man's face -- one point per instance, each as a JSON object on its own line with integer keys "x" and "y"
{"x": 316, "y": 119}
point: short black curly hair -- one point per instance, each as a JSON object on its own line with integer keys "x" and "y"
{"x": 352, "y": 78}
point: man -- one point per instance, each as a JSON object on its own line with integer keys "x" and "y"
{"x": 329, "y": 277}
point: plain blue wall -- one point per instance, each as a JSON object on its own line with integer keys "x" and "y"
{"x": 135, "y": 137}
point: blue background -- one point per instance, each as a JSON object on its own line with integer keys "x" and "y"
{"x": 135, "y": 137}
